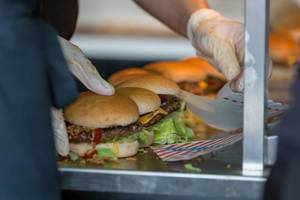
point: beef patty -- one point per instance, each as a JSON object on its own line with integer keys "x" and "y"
{"x": 78, "y": 134}
{"x": 214, "y": 84}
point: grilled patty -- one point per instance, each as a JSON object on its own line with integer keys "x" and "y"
{"x": 214, "y": 84}
{"x": 78, "y": 134}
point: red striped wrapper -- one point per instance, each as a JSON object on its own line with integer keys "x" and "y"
{"x": 190, "y": 150}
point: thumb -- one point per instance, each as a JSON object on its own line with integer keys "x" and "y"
{"x": 60, "y": 132}
{"x": 90, "y": 78}
{"x": 237, "y": 84}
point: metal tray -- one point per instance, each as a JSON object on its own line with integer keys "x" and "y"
{"x": 145, "y": 173}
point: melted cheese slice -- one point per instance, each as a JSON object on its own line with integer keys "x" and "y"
{"x": 147, "y": 118}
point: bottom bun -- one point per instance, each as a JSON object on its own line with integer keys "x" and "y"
{"x": 121, "y": 150}
{"x": 149, "y": 140}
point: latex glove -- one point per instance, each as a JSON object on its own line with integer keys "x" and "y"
{"x": 221, "y": 42}
{"x": 87, "y": 73}
{"x": 84, "y": 70}
{"x": 60, "y": 132}
{"x": 218, "y": 40}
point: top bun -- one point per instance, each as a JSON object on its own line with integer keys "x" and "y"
{"x": 97, "y": 111}
{"x": 283, "y": 49}
{"x": 154, "y": 83}
{"x": 126, "y": 74}
{"x": 205, "y": 66}
{"x": 146, "y": 100}
{"x": 189, "y": 70}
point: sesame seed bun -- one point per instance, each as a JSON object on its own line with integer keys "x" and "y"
{"x": 97, "y": 111}
{"x": 146, "y": 100}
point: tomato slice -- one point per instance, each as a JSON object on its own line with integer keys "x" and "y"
{"x": 90, "y": 154}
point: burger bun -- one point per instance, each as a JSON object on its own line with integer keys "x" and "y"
{"x": 154, "y": 83}
{"x": 146, "y": 100}
{"x": 98, "y": 111}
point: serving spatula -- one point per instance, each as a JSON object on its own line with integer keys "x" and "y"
{"x": 226, "y": 111}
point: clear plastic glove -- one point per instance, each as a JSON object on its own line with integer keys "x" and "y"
{"x": 221, "y": 42}
{"x": 60, "y": 132}
{"x": 86, "y": 72}
{"x": 218, "y": 40}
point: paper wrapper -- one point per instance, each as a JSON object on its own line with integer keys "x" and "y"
{"x": 190, "y": 150}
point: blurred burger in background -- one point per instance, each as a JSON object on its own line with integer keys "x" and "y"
{"x": 193, "y": 75}
{"x": 283, "y": 49}
{"x": 126, "y": 74}
{"x": 284, "y": 41}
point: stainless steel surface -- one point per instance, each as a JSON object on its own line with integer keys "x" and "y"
{"x": 270, "y": 152}
{"x": 257, "y": 14}
{"x": 220, "y": 177}
{"x": 226, "y": 111}
{"x": 222, "y": 113}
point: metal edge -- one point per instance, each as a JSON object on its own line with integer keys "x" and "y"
{"x": 163, "y": 174}
{"x": 162, "y": 183}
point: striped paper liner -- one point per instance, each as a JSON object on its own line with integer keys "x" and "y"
{"x": 190, "y": 150}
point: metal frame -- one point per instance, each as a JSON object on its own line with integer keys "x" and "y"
{"x": 256, "y": 62}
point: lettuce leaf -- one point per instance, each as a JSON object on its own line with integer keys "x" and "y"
{"x": 191, "y": 168}
{"x": 106, "y": 153}
{"x": 164, "y": 132}
{"x": 124, "y": 139}
{"x": 73, "y": 156}
{"x": 143, "y": 136}
{"x": 172, "y": 129}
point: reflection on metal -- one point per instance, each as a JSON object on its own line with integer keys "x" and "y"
{"x": 206, "y": 186}
{"x": 270, "y": 150}
{"x": 220, "y": 176}
{"x": 256, "y": 15}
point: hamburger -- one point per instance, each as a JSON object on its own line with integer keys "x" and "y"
{"x": 102, "y": 126}
{"x": 147, "y": 102}
{"x": 111, "y": 127}
{"x": 283, "y": 49}
{"x": 193, "y": 75}
{"x": 167, "y": 122}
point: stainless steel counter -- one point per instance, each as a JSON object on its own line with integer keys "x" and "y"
{"x": 220, "y": 176}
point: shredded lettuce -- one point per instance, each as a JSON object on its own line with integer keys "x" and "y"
{"x": 143, "y": 136}
{"x": 124, "y": 139}
{"x": 165, "y": 132}
{"x": 73, "y": 156}
{"x": 105, "y": 153}
{"x": 191, "y": 168}
{"x": 172, "y": 129}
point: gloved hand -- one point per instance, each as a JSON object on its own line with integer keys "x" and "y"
{"x": 221, "y": 42}
{"x": 86, "y": 72}
{"x": 218, "y": 40}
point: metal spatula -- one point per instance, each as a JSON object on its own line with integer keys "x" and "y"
{"x": 226, "y": 111}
